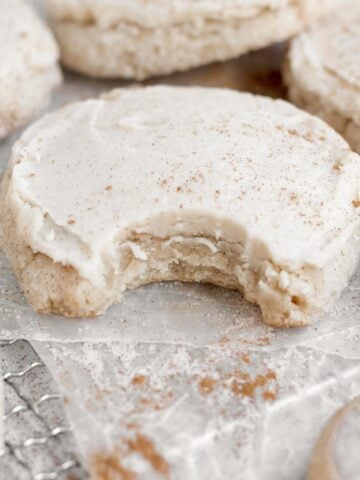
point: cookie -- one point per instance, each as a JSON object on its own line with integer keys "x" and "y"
{"x": 138, "y": 39}
{"x": 336, "y": 455}
{"x": 29, "y": 69}
{"x": 323, "y": 71}
{"x": 190, "y": 184}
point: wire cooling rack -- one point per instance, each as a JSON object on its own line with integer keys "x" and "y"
{"x": 38, "y": 443}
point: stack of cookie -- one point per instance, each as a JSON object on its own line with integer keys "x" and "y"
{"x": 192, "y": 184}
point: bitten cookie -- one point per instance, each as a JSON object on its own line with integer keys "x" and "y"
{"x": 323, "y": 71}
{"x": 139, "y": 38}
{"x": 29, "y": 69}
{"x": 190, "y": 184}
{"x": 336, "y": 455}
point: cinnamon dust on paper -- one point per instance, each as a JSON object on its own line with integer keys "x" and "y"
{"x": 145, "y": 447}
{"x": 151, "y": 397}
{"x": 269, "y": 395}
{"x": 245, "y": 358}
{"x": 109, "y": 467}
{"x": 249, "y": 386}
{"x": 207, "y": 385}
{"x": 241, "y": 383}
{"x": 261, "y": 341}
{"x": 139, "y": 380}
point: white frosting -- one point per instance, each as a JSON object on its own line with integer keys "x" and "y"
{"x": 335, "y": 42}
{"x": 142, "y": 38}
{"x": 325, "y": 60}
{"x": 107, "y": 13}
{"x": 25, "y": 43}
{"x": 184, "y": 161}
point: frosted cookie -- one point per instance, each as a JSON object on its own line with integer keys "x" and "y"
{"x": 139, "y": 38}
{"x": 29, "y": 64}
{"x": 336, "y": 455}
{"x": 323, "y": 71}
{"x": 190, "y": 184}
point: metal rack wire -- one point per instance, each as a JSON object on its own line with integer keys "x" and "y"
{"x": 38, "y": 443}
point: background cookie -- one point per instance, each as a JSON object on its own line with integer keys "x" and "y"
{"x": 323, "y": 71}
{"x": 336, "y": 455}
{"x": 138, "y": 38}
{"x": 28, "y": 68}
{"x": 191, "y": 184}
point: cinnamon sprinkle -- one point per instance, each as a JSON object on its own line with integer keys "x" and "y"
{"x": 261, "y": 341}
{"x": 132, "y": 426}
{"x": 245, "y": 358}
{"x": 269, "y": 395}
{"x": 241, "y": 384}
{"x": 249, "y": 387}
{"x": 150, "y": 403}
{"x": 109, "y": 467}
{"x": 139, "y": 380}
{"x": 207, "y": 385}
{"x": 145, "y": 447}
{"x": 356, "y": 203}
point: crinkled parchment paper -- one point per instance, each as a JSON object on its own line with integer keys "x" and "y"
{"x": 185, "y": 381}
